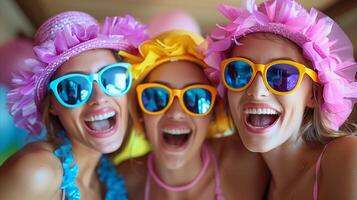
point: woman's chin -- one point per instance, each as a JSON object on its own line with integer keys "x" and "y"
{"x": 258, "y": 148}
{"x": 108, "y": 145}
{"x": 171, "y": 162}
{"x": 110, "y": 148}
{"x": 257, "y": 145}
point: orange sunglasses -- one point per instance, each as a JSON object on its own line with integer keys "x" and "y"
{"x": 196, "y": 100}
{"x": 280, "y": 76}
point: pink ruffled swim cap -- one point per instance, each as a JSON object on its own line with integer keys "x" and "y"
{"x": 57, "y": 40}
{"x": 322, "y": 41}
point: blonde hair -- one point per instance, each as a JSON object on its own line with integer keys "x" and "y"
{"x": 315, "y": 127}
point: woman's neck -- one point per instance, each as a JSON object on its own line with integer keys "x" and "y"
{"x": 290, "y": 161}
{"x": 189, "y": 180}
{"x": 182, "y": 175}
{"x": 87, "y": 161}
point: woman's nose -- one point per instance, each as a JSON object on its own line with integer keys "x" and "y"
{"x": 175, "y": 111}
{"x": 98, "y": 96}
{"x": 257, "y": 89}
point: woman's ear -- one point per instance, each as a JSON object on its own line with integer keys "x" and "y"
{"x": 49, "y": 106}
{"x": 53, "y": 111}
{"x": 140, "y": 119}
{"x": 139, "y": 115}
{"x": 313, "y": 98}
{"x": 214, "y": 113}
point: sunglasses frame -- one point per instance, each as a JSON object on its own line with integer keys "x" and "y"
{"x": 263, "y": 69}
{"x": 175, "y": 93}
{"x": 91, "y": 78}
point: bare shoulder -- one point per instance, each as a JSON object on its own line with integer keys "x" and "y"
{"x": 134, "y": 172}
{"x": 34, "y": 171}
{"x": 343, "y": 150}
{"x": 339, "y": 169}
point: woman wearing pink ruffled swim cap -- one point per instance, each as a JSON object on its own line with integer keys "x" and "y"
{"x": 288, "y": 75}
{"x": 75, "y": 92}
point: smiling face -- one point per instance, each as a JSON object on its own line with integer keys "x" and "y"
{"x": 265, "y": 120}
{"x": 176, "y": 137}
{"x": 99, "y": 124}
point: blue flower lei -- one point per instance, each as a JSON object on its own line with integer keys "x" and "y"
{"x": 107, "y": 174}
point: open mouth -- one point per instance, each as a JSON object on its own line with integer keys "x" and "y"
{"x": 101, "y": 123}
{"x": 176, "y": 138}
{"x": 261, "y": 117}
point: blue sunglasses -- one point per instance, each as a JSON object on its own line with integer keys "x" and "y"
{"x": 73, "y": 90}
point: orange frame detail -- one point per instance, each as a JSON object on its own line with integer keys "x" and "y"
{"x": 175, "y": 93}
{"x": 263, "y": 68}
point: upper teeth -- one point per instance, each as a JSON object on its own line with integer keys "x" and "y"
{"x": 260, "y": 111}
{"x": 101, "y": 116}
{"x": 176, "y": 131}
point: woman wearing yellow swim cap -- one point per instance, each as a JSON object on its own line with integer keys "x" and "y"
{"x": 173, "y": 103}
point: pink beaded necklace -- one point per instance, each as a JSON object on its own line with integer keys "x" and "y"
{"x": 206, "y": 160}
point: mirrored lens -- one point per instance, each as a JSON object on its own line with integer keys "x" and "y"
{"x": 237, "y": 74}
{"x": 115, "y": 81}
{"x": 73, "y": 90}
{"x": 282, "y": 77}
{"x": 197, "y": 100}
{"x": 155, "y": 98}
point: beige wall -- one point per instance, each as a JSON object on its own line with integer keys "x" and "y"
{"x": 12, "y": 21}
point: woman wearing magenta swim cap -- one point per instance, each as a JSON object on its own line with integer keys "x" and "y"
{"x": 288, "y": 75}
{"x": 75, "y": 88}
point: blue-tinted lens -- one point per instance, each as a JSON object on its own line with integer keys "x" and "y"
{"x": 115, "y": 81}
{"x": 237, "y": 74}
{"x": 282, "y": 77}
{"x": 155, "y": 98}
{"x": 197, "y": 100}
{"x": 73, "y": 90}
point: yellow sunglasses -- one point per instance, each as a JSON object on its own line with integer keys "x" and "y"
{"x": 281, "y": 77}
{"x": 196, "y": 100}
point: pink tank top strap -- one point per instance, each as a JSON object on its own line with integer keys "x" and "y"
{"x": 219, "y": 195}
{"x": 147, "y": 187}
{"x": 317, "y": 172}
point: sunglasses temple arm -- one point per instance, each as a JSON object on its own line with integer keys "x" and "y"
{"x": 313, "y": 75}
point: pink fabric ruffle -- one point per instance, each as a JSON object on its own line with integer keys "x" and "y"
{"x": 127, "y": 26}
{"x": 21, "y": 97}
{"x": 69, "y": 37}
